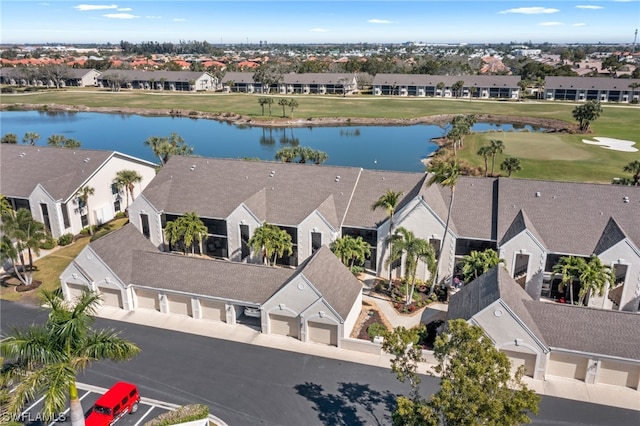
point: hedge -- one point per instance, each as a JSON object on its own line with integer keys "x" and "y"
{"x": 184, "y": 414}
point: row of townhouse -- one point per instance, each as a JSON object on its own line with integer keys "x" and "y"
{"x": 314, "y": 298}
{"x": 530, "y": 223}
{"x": 420, "y": 85}
{"x": 46, "y": 181}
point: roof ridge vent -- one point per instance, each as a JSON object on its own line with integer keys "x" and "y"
{"x": 86, "y": 160}
{"x": 625, "y": 199}
{"x": 538, "y": 194}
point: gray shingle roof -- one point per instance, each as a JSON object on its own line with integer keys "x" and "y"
{"x": 141, "y": 75}
{"x": 448, "y": 80}
{"x": 520, "y": 223}
{"x": 598, "y": 331}
{"x": 492, "y": 285}
{"x": 336, "y": 283}
{"x": 215, "y": 187}
{"x": 473, "y": 206}
{"x": 569, "y": 217}
{"x": 238, "y": 77}
{"x": 317, "y": 78}
{"x": 611, "y": 235}
{"x": 589, "y": 83}
{"x": 61, "y": 171}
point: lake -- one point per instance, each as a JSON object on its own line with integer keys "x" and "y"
{"x": 398, "y": 148}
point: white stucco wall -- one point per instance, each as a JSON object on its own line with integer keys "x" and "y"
{"x": 142, "y": 206}
{"x": 312, "y": 223}
{"x": 240, "y": 216}
{"x": 624, "y": 253}
{"x": 525, "y": 243}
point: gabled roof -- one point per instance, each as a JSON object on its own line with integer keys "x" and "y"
{"x": 332, "y": 279}
{"x": 589, "y": 83}
{"x": 611, "y": 236}
{"x": 597, "y": 331}
{"x": 318, "y": 78}
{"x": 495, "y": 284}
{"x": 473, "y": 206}
{"x": 216, "y": 187}
{"x": 141, "y": 75}
{"x": 520, "y": 223}
{"x": 61, "y": 171}
{"x": 238, "y": 77}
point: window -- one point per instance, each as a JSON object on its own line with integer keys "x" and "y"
{"x": 84, "y": 220}
{"x": 45, "y": 216}
{"x": 144, "y": 222}
{"x": 65, "y": 215}
{"x": 116, "y": 206}
{"x": 244, "y": 238}
{"x": 316, "y": 241}
{"x": 114, "y": 189}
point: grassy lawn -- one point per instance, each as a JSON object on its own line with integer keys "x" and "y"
{"x": 51, "y": 266}
{"x": 552, "y": 156}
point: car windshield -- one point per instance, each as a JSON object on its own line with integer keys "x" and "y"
{"x": 101, "y": 410}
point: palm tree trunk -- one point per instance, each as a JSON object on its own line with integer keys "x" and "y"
{"x": 413, "y": 286}
{"x": 571, "y": 291}
{"x": 444, "y": 237}
{"x": 76, "y": 413}
{"x": 390, "y": 250}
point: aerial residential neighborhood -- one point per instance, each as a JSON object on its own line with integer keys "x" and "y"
{"x": 216, "y": 214}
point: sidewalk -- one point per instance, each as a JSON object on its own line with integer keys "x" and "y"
{"x": 556, "y": 387}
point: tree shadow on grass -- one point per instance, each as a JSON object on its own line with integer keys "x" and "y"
{"x": 341, "y": 408}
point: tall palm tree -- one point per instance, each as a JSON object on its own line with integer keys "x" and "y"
{"x": 446, "y": 174}
{"x": 634, "y": 167}
{"x": 20, "y": 232}
{"x": 485, "y": 153}
{"x": 594, "y": 278}
{"x": 270, "y": 242}
{"x": 45, "y": 359}
{"x": 495, "y": 147}
{"x": 187, "y": 229}
{"x": 126, "y": 179}
{"x": 351, "y": 250}
{"x": 388, "y": 201}
{"x": 510, "y": 165}
{"x": 414, "y": 250}
{"x": 31, "y": 138}
{"x": 283, "y": 103}
{"x": 293, "y": 104}
{"x": 84, "y": 193}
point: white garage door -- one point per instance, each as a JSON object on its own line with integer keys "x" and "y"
{"x": 564, "y": 365}
{"x": 111, "y": 297}
{"x": 286, "y": 326}
{"x": 75, "y": 290}
{"x": 619, "y": 374}
{"x": 179, "y": 304}
{"x": 147, "y": 299}
{"x": 213, "y": 310}
{"x": 517, "y": 359}
{"x": 323, "y": 333}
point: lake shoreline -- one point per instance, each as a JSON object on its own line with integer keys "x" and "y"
{"x": 552, "y": 125}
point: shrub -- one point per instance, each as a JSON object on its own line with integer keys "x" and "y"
{"x": 376, "y": 329}
{"x": 49, "y": 243}
{"x": 120, "y": 215}
{"x": 356, "y": 270}
{"x": 85, "y": 231}
{"x": 184, "y": 414}
{"x": 65, "y": 239}
{"x": 100, "y": 233}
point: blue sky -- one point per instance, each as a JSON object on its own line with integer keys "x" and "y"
{"x": 327, "y": 21}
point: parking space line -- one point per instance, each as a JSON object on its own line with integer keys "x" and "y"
{"x": 145, "y": 415}
{"x": 69, "y": 409}
{"x": 30, "y": 407}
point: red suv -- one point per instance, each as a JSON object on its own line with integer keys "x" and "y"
{"x": 121, "y": 399}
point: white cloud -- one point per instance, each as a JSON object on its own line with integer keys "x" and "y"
{"x": 153, "y": 17}
{"x": 589, "y": 6}
{"x": 124, "y": 9}
{"x": 85, "y": 7}
{"x": 120, "y": 16}
{"x": 179, "y": 20}
{"x": 45, "y": 4}
{"x": 551, "y": 24}
{"x": 531, "y": 10}
{"x": 379, "y": 21}
{"x": 579, "y": 24}
{"x": 319, "y": 30}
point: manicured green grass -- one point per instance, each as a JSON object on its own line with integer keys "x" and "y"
{"x": 51, "y": 266}
{"x": 554, "y": 156}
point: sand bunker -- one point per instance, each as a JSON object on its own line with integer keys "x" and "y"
{"x": 615, "y": 144}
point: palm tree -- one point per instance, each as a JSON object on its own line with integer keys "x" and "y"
{"x": 45, "y": 359}
{"x": 495, "y": 147}
{"x": 594, "y": 278}
{"x": 457, "y": 88}
{"x": 478, "y": 262}
{"x": 287, "y": 154}
{"x": 439, "y": 87}
{"x": 510, "y": 165}
{"x": 472, "y": 91}
{"x": 569, "y": 268}
{"x": 445, "y": 173}
{"x": 414, "y": 250}
{"x": 283, "y": 103}
{"x": 84, "y": 193}
{"x": 165, "y": 147}
{"x": 271, "y": 242}
{"x": 31, "y": 138}
{"x": 269, "y": 102}
{"x": 262, "y": 101}
{"x": 485, "y": 153}
{"x": 634, "y": 167}
{"x": 318, "y": 157}
{"x": 388, "y": 201}
{"x": 350, "y": 250}
{"x": 633, "y": 86}
{"x": 11, "y": 138}
{"x": 126, "y": 179}
{"x": 587, "y": 113}
{"x": 186, "y": 230}
{"x": 20, "y": 232}
{"x": 292, "y": 105}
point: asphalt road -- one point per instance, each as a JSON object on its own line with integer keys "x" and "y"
{"x": 252, "y": 385}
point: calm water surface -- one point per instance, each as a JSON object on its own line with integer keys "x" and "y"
{"x": 374, "y": 147}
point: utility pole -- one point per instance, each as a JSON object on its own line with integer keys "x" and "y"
{"x": 635, "y": 37}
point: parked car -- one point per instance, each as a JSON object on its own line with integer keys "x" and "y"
{"x": 252, "y": 312}
{"x": 121, "y": 399}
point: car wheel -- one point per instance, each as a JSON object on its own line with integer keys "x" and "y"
{"x": 134, "y": 408}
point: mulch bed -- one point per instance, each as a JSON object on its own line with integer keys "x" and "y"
{"x": 373, "y": 318}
